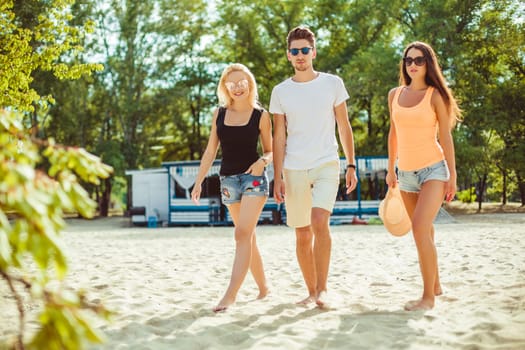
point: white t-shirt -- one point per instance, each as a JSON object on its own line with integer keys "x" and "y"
{"x": 310, "y": 119}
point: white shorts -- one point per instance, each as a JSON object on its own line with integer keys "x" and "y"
{"x": 307, "y": 189}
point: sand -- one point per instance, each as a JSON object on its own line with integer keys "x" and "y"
{"x": 163, "y": 283}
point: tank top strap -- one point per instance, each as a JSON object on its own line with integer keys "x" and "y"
{"x": 256, "y": 117}
{"x": 396, "y": 95}
{"x": 221, "y": 116}
{"x": 428, "y": 93}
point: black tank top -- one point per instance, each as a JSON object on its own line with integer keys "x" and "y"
{"x": 238, "y": 143}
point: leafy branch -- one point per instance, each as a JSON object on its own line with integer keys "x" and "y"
{"x": 32, "y": 205}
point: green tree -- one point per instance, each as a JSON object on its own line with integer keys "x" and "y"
{"x": 360, "y": 47}
{"x": 147, "y": 48}
{"x": 254, "y": 34}
{"x": 39, "y": 179}
{"x": 162, "y": 61}
{"x": 480, "y": 46}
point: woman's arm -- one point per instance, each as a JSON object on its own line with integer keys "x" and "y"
{"x": 391, "y": 178}
{"x": 265, "y": 128}
{"x": 265, "y": 132}
{"x": 207, "y": 159}
{"x": 446, "y": 142}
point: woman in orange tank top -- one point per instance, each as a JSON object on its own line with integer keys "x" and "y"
{"x": 422, "y": 113}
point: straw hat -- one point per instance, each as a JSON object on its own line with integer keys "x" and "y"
{"x": 393, "y": 213}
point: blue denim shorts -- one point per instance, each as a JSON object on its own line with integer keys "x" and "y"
{"x": 233, "y": 187}
{"x": 411, "y": 181}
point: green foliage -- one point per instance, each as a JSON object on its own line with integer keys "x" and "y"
{"x": 480, "y": 47}
{"x": 39, "y": 179}
{"x": 36, "y": 201}
{"x": 34, "y": 41}
{"x": 154, "y": 98}
{"x": 467, "y": 196}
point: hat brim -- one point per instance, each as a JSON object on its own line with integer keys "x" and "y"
{"x": 393, "y": 213}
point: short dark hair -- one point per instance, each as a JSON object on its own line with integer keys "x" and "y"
{"x": 299, "y": 33}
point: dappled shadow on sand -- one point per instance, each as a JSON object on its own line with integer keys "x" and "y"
{"x": 280, "y": 326}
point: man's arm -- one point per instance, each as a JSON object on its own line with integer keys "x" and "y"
{"x": 279, "y": 144}
{"x": 346, "y": 136}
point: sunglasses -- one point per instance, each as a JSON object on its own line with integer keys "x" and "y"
{"x": 303, "y": 50}
{"x": 241, "y": 84}
{"x": 419, "y": 61}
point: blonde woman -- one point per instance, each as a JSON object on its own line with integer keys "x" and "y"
{"x": 238, "y": 125}
{"x": 422, "y": 114}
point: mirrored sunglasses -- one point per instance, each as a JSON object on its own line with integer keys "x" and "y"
{"x": 419, "y": 60}
{"x": 241, "y": 84}
{"x": 303, "y": 50}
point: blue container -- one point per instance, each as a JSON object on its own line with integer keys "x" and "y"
{"x": 152, "y": 221}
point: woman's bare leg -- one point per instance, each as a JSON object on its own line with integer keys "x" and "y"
{"x": 427, "y": 206}
{"x": 410, "y": 200}
{"x": 256, "y": 267}
{"x": 437, "y": 285}
{"x": 245, "y": 216}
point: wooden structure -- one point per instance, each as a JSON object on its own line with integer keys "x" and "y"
{"x": 179, "y": 178}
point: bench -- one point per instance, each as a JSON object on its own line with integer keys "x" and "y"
{"x": 184, "y": 211}
{"x": 137, "y": 215}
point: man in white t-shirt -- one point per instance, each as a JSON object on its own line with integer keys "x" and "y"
{"x": 306, "y": 109}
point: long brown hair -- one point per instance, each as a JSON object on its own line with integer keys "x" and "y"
{"x": 433, "y": 77}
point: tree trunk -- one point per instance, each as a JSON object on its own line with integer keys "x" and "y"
{"x": 481, "y": 190}
{"x": 504, "y": 189}
{"x": 369, "y": 110}
{"x": 521, "y": 186}
{"x": 106, "y": 198}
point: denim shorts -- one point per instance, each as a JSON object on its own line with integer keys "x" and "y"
{"x": 233, "y": 187}
{"x": 411, "y": 181}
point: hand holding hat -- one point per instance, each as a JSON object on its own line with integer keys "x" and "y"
{"x": 393, "y": 213}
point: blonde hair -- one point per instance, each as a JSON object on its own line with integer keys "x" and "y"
{"x": 222, "y": 92}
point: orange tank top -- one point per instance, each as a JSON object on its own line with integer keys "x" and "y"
{"x": 416, "y": 130}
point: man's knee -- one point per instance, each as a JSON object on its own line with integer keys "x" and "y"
{"x": 320, "y": 220}
{"x": 304, "y": 236}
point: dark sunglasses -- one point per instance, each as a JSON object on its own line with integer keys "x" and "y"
{"x": 419, "y": 60}
{"x": 304, "y": 51}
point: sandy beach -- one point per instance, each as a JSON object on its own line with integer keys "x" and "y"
{"x": 163, "y": 282}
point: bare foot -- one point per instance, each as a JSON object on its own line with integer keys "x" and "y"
{"x": 308, "y": 300}
{"x": 421, "y": 304}
{"x": 263, "y": 293}
{"x": 322, "y": 300}
{"x": 223, "y": 305}
{"x": 438, "y": 291}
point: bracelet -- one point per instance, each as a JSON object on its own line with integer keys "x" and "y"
{"x": 350, "y": 166}
{"x": 264, "y": 161}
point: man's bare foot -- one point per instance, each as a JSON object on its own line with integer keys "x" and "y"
{"x": 308, "y": 300}
{"x": 322, "y": 300}
{"x": 421, "y": 304}
{"x": 223, "y": 305}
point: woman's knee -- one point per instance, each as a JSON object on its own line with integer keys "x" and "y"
{"x": 421, "y": 231}
{"x": 243, "y": 234}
